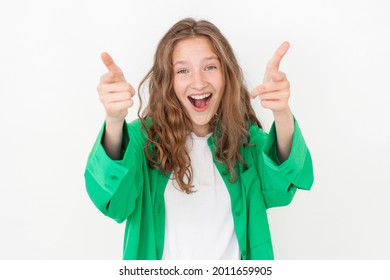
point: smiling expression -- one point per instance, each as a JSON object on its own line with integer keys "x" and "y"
{"x": 198, "y": 81}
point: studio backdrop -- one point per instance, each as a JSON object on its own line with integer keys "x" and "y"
{"x": 338, "y": 67}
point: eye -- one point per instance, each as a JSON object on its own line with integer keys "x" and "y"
{"x": 182, "y": 71}
{"x": 210, "y": 67}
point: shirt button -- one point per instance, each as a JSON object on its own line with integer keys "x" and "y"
{"x": 114, "y": 177}
{"x": 238, "y": 213}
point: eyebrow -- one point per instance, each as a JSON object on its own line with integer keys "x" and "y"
{"x": 204, "y": 59}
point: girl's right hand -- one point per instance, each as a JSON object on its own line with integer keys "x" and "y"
{"x": 114, "y": 92}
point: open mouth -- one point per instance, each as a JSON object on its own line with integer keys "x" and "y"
{"x": 200, "y": 101}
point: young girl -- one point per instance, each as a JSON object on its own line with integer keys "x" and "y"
{"x": 194, "y": 175}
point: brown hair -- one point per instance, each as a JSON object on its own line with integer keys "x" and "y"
{"x": 169, "y": 124}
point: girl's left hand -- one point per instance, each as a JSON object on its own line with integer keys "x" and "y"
{"x": 275, "y": 90}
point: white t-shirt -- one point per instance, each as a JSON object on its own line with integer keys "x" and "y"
{"x": 199, "y": 225}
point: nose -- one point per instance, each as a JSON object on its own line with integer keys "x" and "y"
{"x": 199, "y": 81}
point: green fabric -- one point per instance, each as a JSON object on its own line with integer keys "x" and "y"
{"x": 129, "y": 190}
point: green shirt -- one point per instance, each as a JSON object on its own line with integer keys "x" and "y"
{"x": 129, "y": 190}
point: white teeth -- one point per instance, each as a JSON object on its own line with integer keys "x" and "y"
{"x": 200, "y": 96}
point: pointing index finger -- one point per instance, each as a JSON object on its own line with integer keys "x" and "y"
{"x": 110, "y": 64}
{"x": 273, "y": 64}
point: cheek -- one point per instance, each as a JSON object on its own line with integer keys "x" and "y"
{"x": 175, "y": 87}
{"x": 219, "y": 82}
{"x": 179, "y": 88}
{"x": 220, "y": 85}
{"x": 221, "y": 90}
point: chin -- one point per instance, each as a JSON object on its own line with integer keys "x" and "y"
{"x": 201, "y": 121}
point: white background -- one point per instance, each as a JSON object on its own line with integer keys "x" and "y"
{"x": 338, "y": 66}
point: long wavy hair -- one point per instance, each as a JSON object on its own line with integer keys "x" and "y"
{"x": 165, "y": 121}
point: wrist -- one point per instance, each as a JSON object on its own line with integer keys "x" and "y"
{"x": 114, "y": 122}
{"x": 112, "y": 139}
{"x": 284, "y": 115}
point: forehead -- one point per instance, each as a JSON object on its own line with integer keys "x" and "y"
{"x": 192, "y": 48}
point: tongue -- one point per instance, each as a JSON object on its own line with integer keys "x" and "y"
{"x": 200, "y": 103}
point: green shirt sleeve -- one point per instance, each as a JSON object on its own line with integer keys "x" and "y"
{"x": 114, "y": 185}
{"x": 281, "y": 180}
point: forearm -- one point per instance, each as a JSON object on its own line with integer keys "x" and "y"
{"x": 112, "y": 139}
{"x": 284, "y": 126}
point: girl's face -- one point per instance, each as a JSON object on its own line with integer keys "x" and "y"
{"x": 198, "y": 81}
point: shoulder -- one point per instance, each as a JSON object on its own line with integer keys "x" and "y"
{"x": 137, "y": 131}
{"x": 135, "y": 124}
{"x": 256, "y": 133}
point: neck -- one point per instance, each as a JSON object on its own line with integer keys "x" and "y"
{"x": 201, "y": 130}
